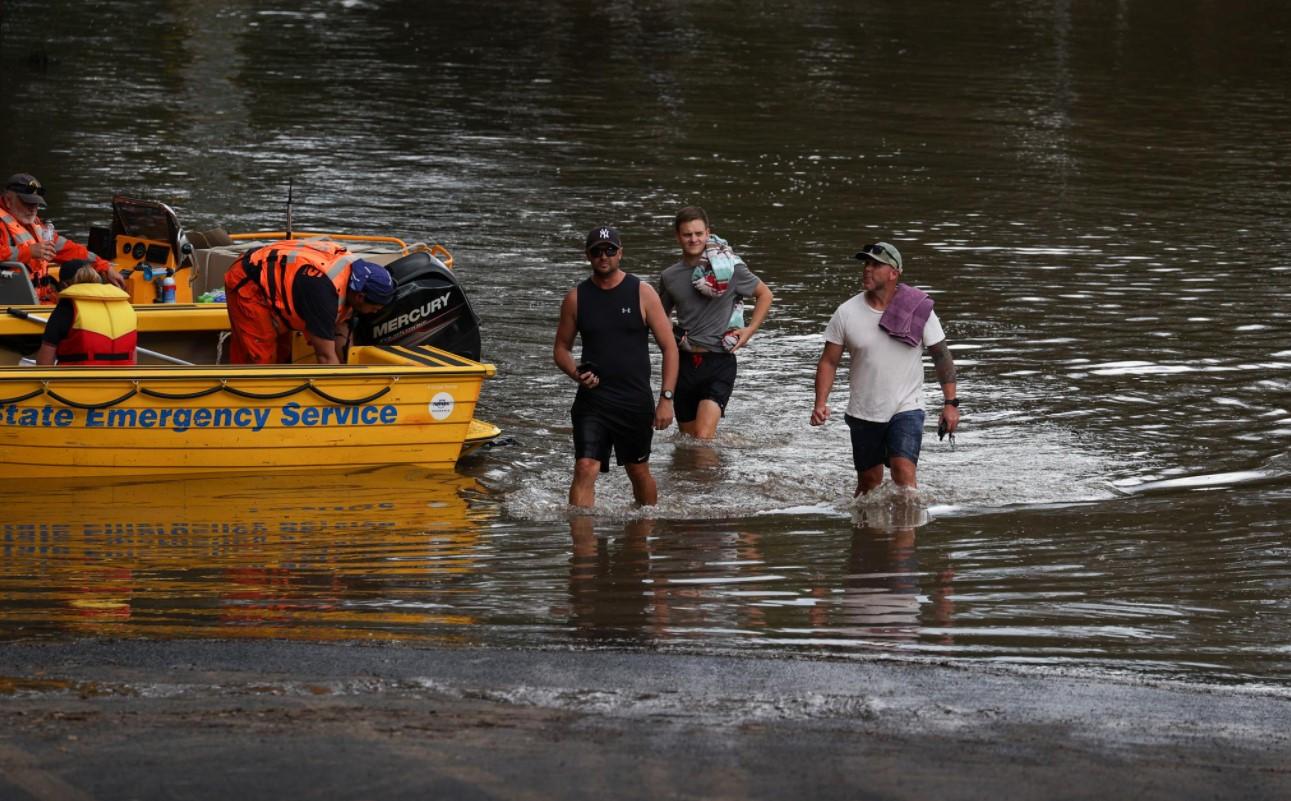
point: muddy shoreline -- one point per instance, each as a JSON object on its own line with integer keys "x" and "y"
{"x": 250, "y": 720}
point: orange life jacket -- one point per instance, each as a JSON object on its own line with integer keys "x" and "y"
{"x": 16, "y": 240}
{"x": 103, "y": 328}
{"x": 17, "y": 237}
{"x": 275, "y": 267}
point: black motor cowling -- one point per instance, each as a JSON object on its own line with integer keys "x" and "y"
{"x": 429, "y": 308}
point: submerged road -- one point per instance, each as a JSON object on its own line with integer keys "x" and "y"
{"x": 273, "y": 720}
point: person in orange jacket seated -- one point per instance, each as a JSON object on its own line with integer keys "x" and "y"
{"x": 93, "y": 324}
{"x": 24, "y": 238}
{"x": 297, "y": 285}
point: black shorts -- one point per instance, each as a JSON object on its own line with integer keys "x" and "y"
{"x": 700, "y": 377}
{"x": 628, "y": 433}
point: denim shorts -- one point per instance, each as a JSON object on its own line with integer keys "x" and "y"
{"x": 876, "y": 443}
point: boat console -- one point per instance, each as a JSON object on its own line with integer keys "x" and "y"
{"x": 147, "y": 246}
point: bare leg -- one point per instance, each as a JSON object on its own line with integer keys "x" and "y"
{"x": 869, "y": 479}
{"x": 703, "y": 460}
{"x": 582, "y": 490}
{"x": 643, "y": 486}
{"x": 704, "y": 426}
{"x": 903, "y": 472}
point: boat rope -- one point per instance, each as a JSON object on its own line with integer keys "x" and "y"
{"x": 69, "y": 402}
{"x": 21, "y": 398}
{"x": 219, "y": 345}
{"x": 201, "y": 393}
{"x": 242, "y": 393}
{"x": 342, "y": 401}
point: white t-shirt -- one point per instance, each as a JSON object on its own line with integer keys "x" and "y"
{"x": 885, "y": 376}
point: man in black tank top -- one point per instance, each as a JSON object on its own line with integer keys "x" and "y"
{"x": 615, "y": 408}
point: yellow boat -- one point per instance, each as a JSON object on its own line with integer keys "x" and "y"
{"x": 399, "y": 400}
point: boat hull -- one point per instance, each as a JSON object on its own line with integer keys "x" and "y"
{"x": 387, "y": 406}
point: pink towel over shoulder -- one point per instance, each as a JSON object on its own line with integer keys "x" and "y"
{"x": 906, "y": 315}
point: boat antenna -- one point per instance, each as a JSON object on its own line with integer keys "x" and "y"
{"x": 290, "y": 183}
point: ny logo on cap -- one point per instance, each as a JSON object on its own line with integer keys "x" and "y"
{"x": 605, "y": 233}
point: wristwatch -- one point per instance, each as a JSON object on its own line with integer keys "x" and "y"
{"x": 666, "y": 394}
{"x": 953, "y": 402}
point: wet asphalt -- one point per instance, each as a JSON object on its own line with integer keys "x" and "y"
{"x": 261, "y": 720}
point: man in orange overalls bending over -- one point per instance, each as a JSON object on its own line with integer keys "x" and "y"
{"x": 295, "y": 285}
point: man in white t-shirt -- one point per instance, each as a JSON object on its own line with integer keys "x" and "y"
{"x": 884, "y": 331}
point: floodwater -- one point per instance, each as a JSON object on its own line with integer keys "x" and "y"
{"x": 1097, "y": 194}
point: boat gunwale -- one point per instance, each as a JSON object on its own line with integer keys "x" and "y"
{"x": 418, "y": 360}
{"x": 236, "y": 372}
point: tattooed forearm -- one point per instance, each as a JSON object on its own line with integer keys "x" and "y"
{"x": 944, "y": 365}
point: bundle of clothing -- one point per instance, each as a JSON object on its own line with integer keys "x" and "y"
{"x": 712, "y": 276}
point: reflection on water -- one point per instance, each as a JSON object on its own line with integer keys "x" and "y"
{"x": 402, "y": 554}
{"x": 609, "y": 583}
{"x": 1112, "y": 270}
{"x": 881, "y": 589}
{"x": 635, "y": 580}
{"x": 293, "y": 555}
{"x": 642, "y": 581}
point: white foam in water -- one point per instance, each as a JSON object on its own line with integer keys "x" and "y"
{"x": 890, "y": 506}
{"x": 1195, "y": 482}
{"x": 1276, "y": 467}
{"x": 767, "y": 459}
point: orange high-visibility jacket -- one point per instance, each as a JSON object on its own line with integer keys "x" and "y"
{"x": 275, "y": 267}
{"x": 16, "y": 240}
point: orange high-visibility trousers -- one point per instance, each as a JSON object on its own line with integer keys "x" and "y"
{"x": 256, "y": 336}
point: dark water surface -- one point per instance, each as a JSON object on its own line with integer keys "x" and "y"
{"x": 1098, "y": 195}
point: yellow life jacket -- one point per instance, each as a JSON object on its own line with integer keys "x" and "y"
{"x": 103, "y": 328}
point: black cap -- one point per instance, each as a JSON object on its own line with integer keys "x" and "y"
{"x": 603, "y": 235}
{"x": 28, "y": 188}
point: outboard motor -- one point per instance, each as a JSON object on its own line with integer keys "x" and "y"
{"x": 429, "y": 308}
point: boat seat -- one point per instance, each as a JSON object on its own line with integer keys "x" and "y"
{"x": 210, "y": 265}
{"x": 214, "y": 238}
{"x": 15, "y": 285}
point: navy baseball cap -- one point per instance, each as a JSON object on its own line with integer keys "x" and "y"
{"x": 603, "y": 235}
{"x": 373, "y": 280}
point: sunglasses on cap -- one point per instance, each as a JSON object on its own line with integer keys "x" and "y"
{"x": 32, "y": 187}
{"x": 876, "y": 251}
{"x": 603, "y": 250}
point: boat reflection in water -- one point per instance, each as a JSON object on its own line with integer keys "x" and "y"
{"x": 383, "y": 553}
